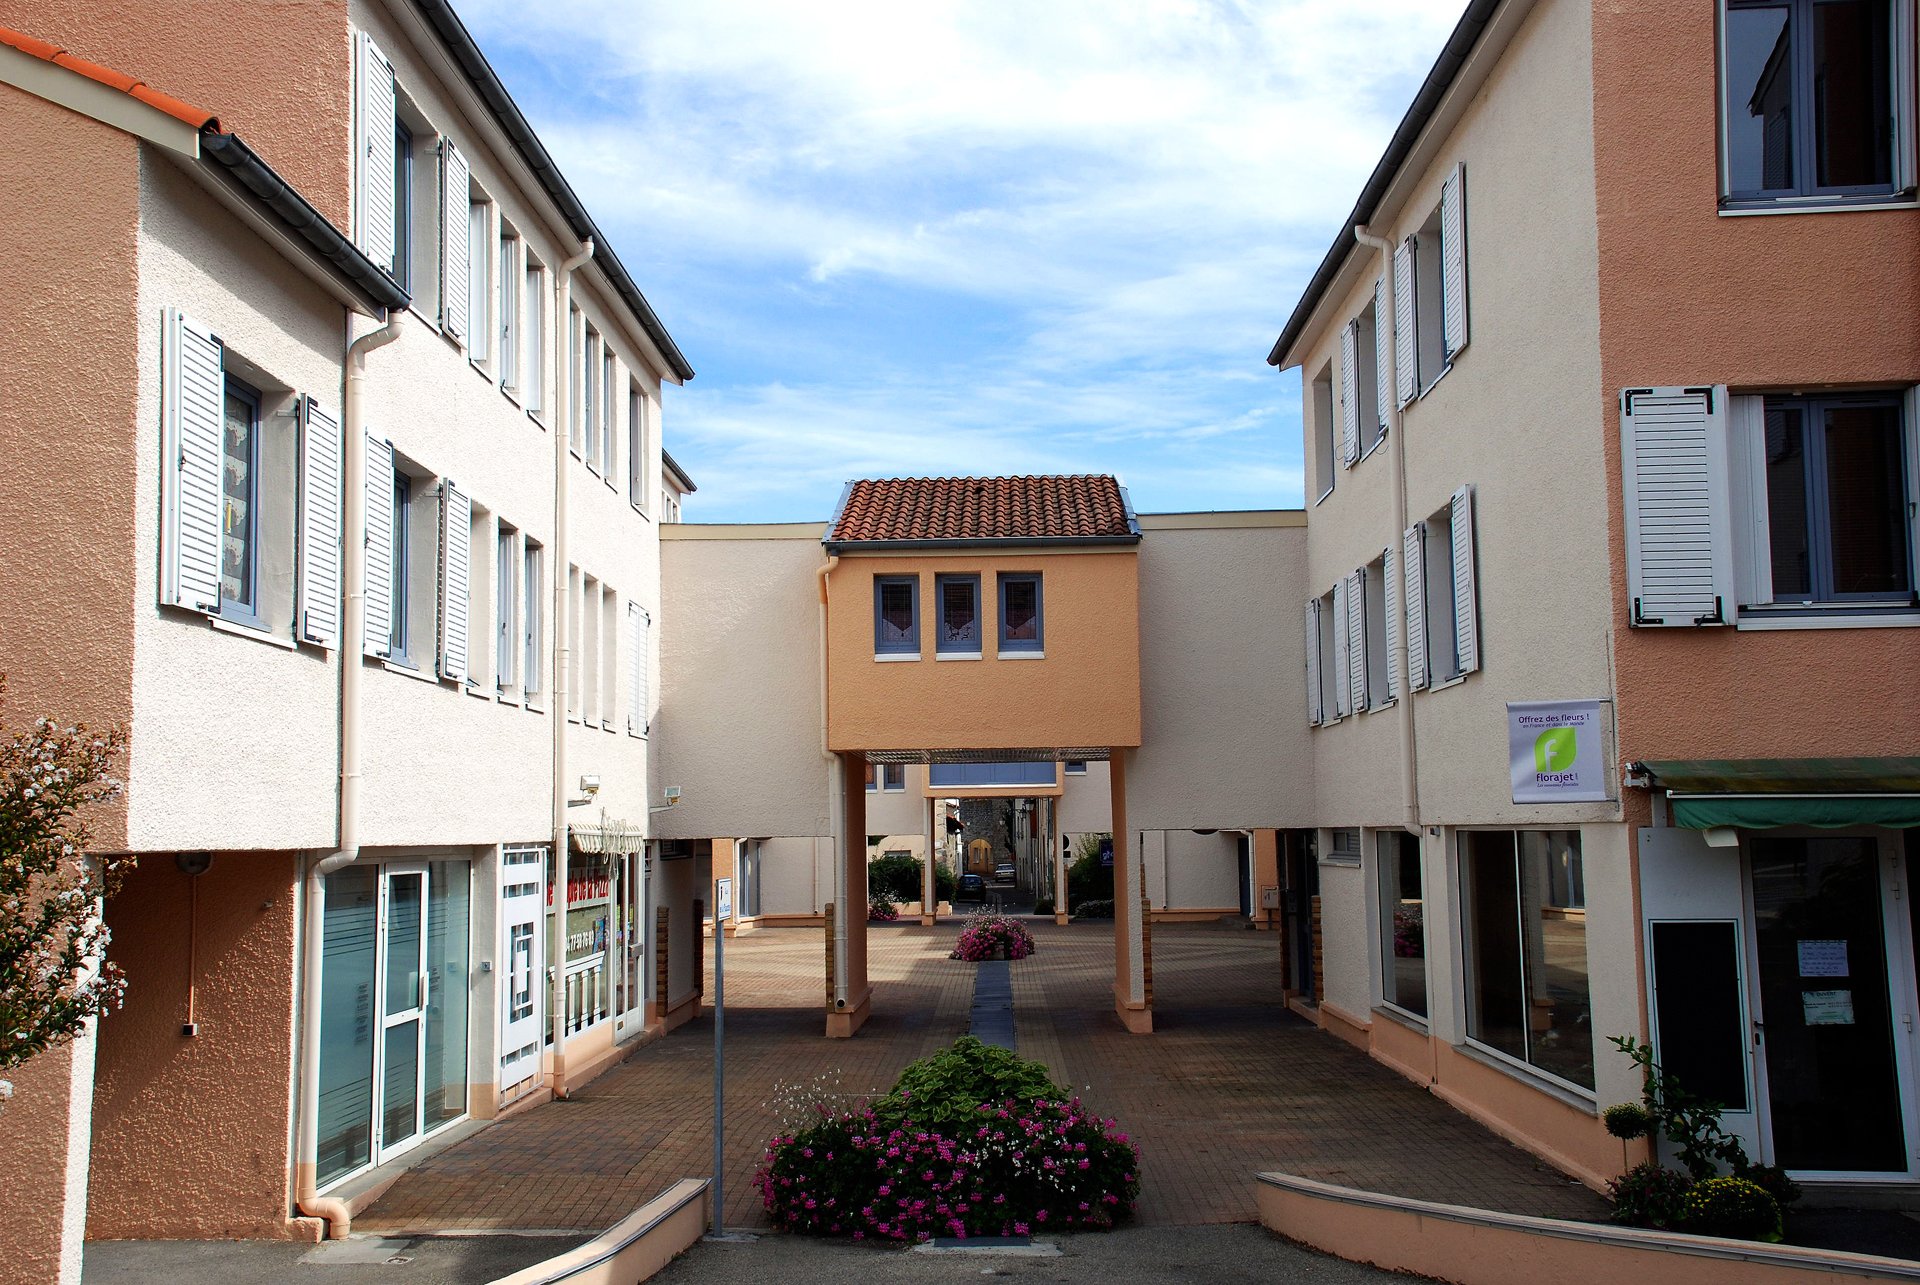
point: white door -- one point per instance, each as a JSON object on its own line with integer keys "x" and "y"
{"x": 629, "y": 943}
{"x": 403, "y": 1008}
{"x": 522, "y": 922}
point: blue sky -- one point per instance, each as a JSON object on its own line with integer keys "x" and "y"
{"x": 938, "y": 238}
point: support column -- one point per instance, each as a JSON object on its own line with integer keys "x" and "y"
{"x": 929, "y": 885}
{"x": 849, "y": 1005}
{"x": 1266, "y": 874}
{"x": 1060, "y": 882}
{"x": 1131, "y": 999}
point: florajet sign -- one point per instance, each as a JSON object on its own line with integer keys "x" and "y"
{"x": 1554, "y": 752}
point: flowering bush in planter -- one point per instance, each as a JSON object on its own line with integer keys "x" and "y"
{"x": 880, "y": 908}
{"x": 991, "y": 936}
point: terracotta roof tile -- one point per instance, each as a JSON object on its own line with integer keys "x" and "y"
{"x": 129, "y": 85}
{"x": 983, "y": 508}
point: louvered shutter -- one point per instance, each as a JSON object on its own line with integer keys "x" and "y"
{"x": 1356, "y": 627}
{"x": 1316, "y": 711}
{"x": 378, "y": 639}
{"x": 1350, "y": 393}
{"x": 1382, "y": 354}
{"x": 1390, "y": 594}
{"x": 193, "y": 393}
{"x": 639, "y": 638}
{"x": 454, "y": 237}
{"x": 1342, "y": 651}
{"x": 1406, "y": 377}
{"x": 1466, "y": 607}
{"x": 373, "y": 184}
{"x": 456, "y": 559}
{"x": 1413, "y": 577}
{"x": 1673, "y": 450}
{"x": 320, "y": 500}
{"x": 1453, "y": 260}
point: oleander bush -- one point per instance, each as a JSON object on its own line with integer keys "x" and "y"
{"x": 990, "y": 936}
{"x": 881, "y": 909}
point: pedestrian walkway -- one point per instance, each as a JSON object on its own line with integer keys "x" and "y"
{"x": 1229, "y": 1084}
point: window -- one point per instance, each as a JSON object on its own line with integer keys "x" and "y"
{"x": 240, "y": 504}
{"x": 1808, "y": 100}
{"x": 639, "y": 670}
{"x": 530, "y": 617}
{"x": 589, "y": 376}
{"x": 1327, "y": 687}
{"x": 891, "y": 777}
{"x": 1361, "y": 427}
{"x": 959, "y": 598}
{"x": 1525, "y": 945}
{"x": 574, "y": 360}
{"x": 479, "y": 295}
{"x": 402, "y": 204}
{"x": 534, "y": 384}
{"x": 1324, "y": 456}
{"x": 1020, "y": 615}
{"x": 609, "y": 413}
{"x": 509, "y": 310}
{"x": 1403, "y": 933}
{"x": 1378, "y": 678}
{"x": 896, "y": 616}
{"x": 1430, "y": 292}
{"x": 1442, "y": 606}
{"x": 399, "y": 556}
{"x": 1430, "y": 357}
{"x": 1343, "y": 847}
{"x": 609, "y": 655}
{"x": 636, "y": 447}
{"x": 1076, "y": 767}
{"x": 506, "y": 601}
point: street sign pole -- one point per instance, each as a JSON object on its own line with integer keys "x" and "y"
{"x": 722, "y": 912}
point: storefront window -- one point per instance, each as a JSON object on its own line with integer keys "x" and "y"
{"x": 1403, "y": 934}
{"x": 1526, "y": 949}
{"x": 589, "y": 989}
{"x": 449, "y": 931}
{"x": 347, "y": 958}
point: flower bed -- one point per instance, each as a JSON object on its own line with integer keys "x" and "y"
{"x": 994, "y": 937}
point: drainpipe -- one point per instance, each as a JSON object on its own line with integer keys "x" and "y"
{"x": 352, "y": 634}
{"x": 562, "y": 651}
{"x": 836, "y": 812}
{"x": 1397, "y": 452}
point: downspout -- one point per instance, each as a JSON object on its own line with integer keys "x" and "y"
{"x": 1397, "y": 452}
{"x": 836, "y": 809}
{"x": 562, "y": 653}
{"x": 352, "y": 636}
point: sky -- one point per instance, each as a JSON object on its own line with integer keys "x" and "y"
{"x": 934, "y": 238}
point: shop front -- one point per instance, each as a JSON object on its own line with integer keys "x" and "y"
{"x": 1780, "y": 937}
{"x": 603, "y": 952}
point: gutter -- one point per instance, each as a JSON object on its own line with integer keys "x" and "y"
{"x": 673, "y": 466}
{"x": 1446, "y": 69}
{"x": 976, "y": 542}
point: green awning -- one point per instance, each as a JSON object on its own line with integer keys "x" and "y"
{"x": 1758, "y": 794}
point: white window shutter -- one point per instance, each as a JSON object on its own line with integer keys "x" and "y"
{"x": 1673, "y": 450}
{"x": 456, "y": 559}
{"x": 1316, "y": 711}
{"x": 1413, "y": 577}
{"x": 455, "y": 265}
{"x": 1406, "y": 376}
{"x": 373, "y": 180}
{"x": 1466, "y": 607}
{"x": 1453, "y": 260}
{"x": 1342, "y": 651}
{"x": 193, "y": 394}
{"x": 1350, "y": 393}
{"x": 1390, "y": 593}
{"x": 1747, "y": 482}
{"x": 378, "y": 640}
{"x": 320, "y": 500}
{"x": 1382, "y": 353}
{"x": 1356, "y": 627}
{"x": 639, "y": 637}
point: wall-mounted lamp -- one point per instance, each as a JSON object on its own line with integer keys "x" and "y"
{"x": 589, "y": 786}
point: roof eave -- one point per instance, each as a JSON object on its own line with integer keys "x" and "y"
{"x": 680, "y": 474}
{"x": 976, "y": 542}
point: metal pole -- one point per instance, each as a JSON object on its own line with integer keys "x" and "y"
{"x": 719, "y": 1074}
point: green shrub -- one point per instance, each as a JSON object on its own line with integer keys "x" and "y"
{"x": 1094, "y": 909}
{"x": 945, "y": 883}
{"x": 1729, "y": 1206}
{"x": 1087, "y": 879}
{"x": 942, "y": 1092}
{"x": 1043, "y": 905}
{"x": 897, "y": 877}
{"x": 1773, "y": 1179}
{"x": 1649, "y": 1195}
{"x": 1629, "y": 1120}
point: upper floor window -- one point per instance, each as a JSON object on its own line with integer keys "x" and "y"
{"x": 636, "y": 447}
{"x": 1807, "y": 100}
{"x": 533, "y": 386}
{"x": 509, "y": 310}
{"x": 1020, "y": 613}
{"x": 891, "y": 777}
{"x": 479, "y": 296}
{"x": 609, "y": 411}
{"x": 896, "y": 616}
{"x": 1323, "y": 452}
{"x": 240, "y": 504}
{"x": 589, "y": 377}
{"x": 959, "y": 615}
{"x": 1439, "y": 578}
{"x": 1076, "y": 767}
{"x": 402, "y": 203}
{"x": 1430, "y": 293}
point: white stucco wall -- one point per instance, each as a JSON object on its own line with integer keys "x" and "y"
{"x": 796, "y": 876}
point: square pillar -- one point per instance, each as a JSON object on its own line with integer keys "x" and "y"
{"x": 1266, "y": 874}
{"x": 851, "y": 997}
{"x": 1131, "y": 999}
{"x": 929, "y": 886}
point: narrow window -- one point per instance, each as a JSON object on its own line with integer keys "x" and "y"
{"x": 505, "y": 602}
{"x": 1429, "y": 304}
{"x": 1325, "y": 464}
{"x": 1403, "y": 929}
{"x": 478, "y": 285}
{"x": 1020, "y": 618}
{"x": 589, "y": 425}
{"x": 1443, "y": 640}
{"x": 959, "y": 615}
{"x": 240, "y": 504}
{"x": 896, "y": 615}
{"x": 509, "y": 311}
{"x": 531, "y": 588}
{"x": 534, "y": 385}
{"x": 873, "y": 779}
{"x": 894, "y": 776}
{"x": 609, "y": 411}
{"x": 1333, "y": 677}
{"x": 1375, "y": 583}
{"x": 1367, "y": 384}
{"x": 636, "y": 446}
{"x": 573, "y": 378}
{"x": 402, "y": 205}
{"x": 402, "y": 558}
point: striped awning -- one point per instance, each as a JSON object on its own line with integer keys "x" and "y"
{"x": 1764, "y": 793}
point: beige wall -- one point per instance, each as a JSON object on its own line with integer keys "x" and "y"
{"x": 1085, "y": 691}
{"x": 739, "y": 723}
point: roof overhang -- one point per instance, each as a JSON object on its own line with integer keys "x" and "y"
{"x": 1712, "y": 794}
{"x": 1010, "y": 542}
{"x": 679, "y": 474}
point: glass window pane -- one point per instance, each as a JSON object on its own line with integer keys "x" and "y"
{"x": 1787, "y": 502}
{"x": 239, "y": 450}
{"x": 397, "y": 609}
{"x": 403, "y": 944}
{"x": 1866, "y": 501}
{"x": 347, "y": 1019}
{"x": 959, "y": 613}
{"x": 896, "y": 612}
{"x": 1559, "y": 1006}
{"x": 1496, "y": 985}
{"x": 1759, "y": 100}
{"x": 1021, "y": 605}
{"x": 1403, "y": 923}
{"x": 449, "y": 926}
{"x": 400, "y": 1084}
{"x": 1852, "y": 138}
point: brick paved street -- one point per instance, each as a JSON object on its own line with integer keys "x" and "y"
{"x": 1228, "y": 1084}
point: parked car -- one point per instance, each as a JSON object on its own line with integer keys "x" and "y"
{"x": 971, "y": 888}
{"x": 1004, "y": 872}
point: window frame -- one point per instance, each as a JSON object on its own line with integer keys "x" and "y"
{"x": 1326, "y": 464}
{"x": 506, "y": 601}
{"x": 508, "y": 360}
{"x": 1430, "y": 303}
{"x": 249, "y": 614}
{"x": 589, "y": 375}
{"x": 479, "y": 336}
{"x": 1037, "y": 645}
{"x": 965, "y": 649}
{"x": 1805, "y": 193}
{"x": 905, "y": 649}
{"x": 609, "y": 414}
{"x": 400, "y": 563}
{"x": 533, "y": 391}
{"x": 403, "y": 141}
{"x": 1440, "y": 625}
{"x": 532, "y": 568}
{"x": 637, "y": 451}
{"x": 1373, "y": 428}
{"x": 1387, "y": 845}
{"x": 1074, "y": 767}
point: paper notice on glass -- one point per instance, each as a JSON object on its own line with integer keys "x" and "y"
{"x": 1827, "y": 1008}
{"x": 1823, "y": 958}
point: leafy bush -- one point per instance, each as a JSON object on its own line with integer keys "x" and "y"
{"x": 1087, "y": 879}
{"x": 900, "y": 877}
{"x": 1691, "y": 1124}
{"x": 881, "y": 909}
{"x": 989, "y": 936}
{"x": 1094, "y": 910}
{"x": 1649, "y": 1195}
{"x": 945, "y": 1090}
{"x": 1628, "y": 1120}
{"x": 1729, "y": 1206}
{"x": 945, "y": 882}
{"x": 1043, "y": 905}
{"x": 1773, "y": 1179}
